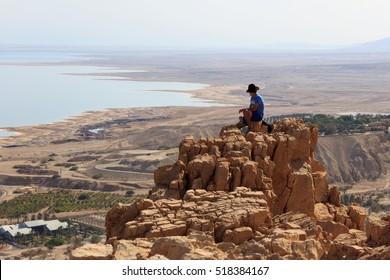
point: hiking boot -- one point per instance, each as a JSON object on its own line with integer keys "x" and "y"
{"x": 270, "y": 127}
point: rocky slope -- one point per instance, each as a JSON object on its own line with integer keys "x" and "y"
{"x": 353, "y": 158}
{"x": 259, "y": 196}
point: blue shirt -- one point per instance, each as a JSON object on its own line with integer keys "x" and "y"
{"x": 258, "y": 99}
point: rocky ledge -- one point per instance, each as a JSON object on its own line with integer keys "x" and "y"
{"x": 259, "y": 196}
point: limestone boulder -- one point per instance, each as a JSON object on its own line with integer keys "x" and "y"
{"x": 334, "y": 196}
{"x": 321, "y": 212}
{"x": 346, "y": 247}
{"x": 222, "y": 176}
{"x": 92, "y": 252}
{"x": 201, "y": 170}
{"x": 301, "y": 198}
{"x": 165, "y": 174}
{"x": 378, "y": 230}
{"x": 238, "y": 235}
{"x": 320, "y": 187}
{"x": 173, "y": 248}
{"x": 333, "y": 228}
{"x": 358, "y": 216}
{"x": 138, "y": 249}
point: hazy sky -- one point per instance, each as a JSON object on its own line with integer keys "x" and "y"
{"x": 196, "y": 23}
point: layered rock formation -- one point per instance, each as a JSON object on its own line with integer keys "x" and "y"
{"x": 259, "y": 196}
{"x": 352, "y": 158}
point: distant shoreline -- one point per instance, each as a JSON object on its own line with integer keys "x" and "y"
{"x": 196, "y": 96}
{"x": 293, "y": 83}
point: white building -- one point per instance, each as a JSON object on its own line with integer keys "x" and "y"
{"x": 12, "y": 232}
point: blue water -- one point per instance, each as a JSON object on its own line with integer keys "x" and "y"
{"x": 30, "y": 56}
{"x": 41, "y": 94}
{"x": 7, "y": 133}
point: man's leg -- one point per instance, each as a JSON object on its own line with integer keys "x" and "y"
{"x": 240, "y": 125}
{"x": 247, "y": 117}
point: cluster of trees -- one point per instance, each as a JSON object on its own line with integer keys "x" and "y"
{"x": 74, "y": 235}
{"x": 348, "y": 124}
{"x": 59, "y": 201}
{"x": 345, "y": 124}
{"x": 372, "y": 202}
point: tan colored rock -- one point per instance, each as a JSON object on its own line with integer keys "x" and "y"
{"x": 177, "y": 229}
{"x": 222, "y": 176}
{"x": 202, "y": 225}
{"x": 333, "y": 228}
{"x": 250, "y": 250}
{"x": 249, "y": 174}
{"x": 289, "y": 225}
{"x": 281, "y": 246}
{"x": 238, "y": 235}
{"x": 158, "y": 258}
{"x": 167, "y": 173}
{"x": 345, "y": 247}
{"x": 132, "y": 249}
{"x": 173, "y": 248}
{"x": 321, "y": 212}
{"x": 117, "y": 217}
{"x": 358, "y": 216}
{"x": 136, "y": 229}
{"x": 379, "y": 253}
{"x": 314, "y": 249}
{"x": 334, "y": 196}
{"x": 290, "y": 234}
{"x": 310, "y": 249}
{"x": 259, "y": 218}
{"x": 267, "y": 165}
{"x": 236, "y": 177}
{"x": 320, "y": 187}
{"x": 201, "y": 170}
{"x": 92, "y": 252}
{"x": 378, "y": 230}
{"x": 302, "y": 196}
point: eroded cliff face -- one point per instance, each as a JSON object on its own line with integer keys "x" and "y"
{"x": 352, "y": 158}
{"x": 259, "y": 196}
{"x": 282, "y": 165}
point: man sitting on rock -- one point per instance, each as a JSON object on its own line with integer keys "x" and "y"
{"x": 255, "y": 113}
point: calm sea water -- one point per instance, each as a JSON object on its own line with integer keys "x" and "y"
{"x": 41, "y": 94}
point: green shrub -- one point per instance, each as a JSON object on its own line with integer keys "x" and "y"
{"x": 129, "y": 193}
{"x": 54, "y": 241}
{"x": 83, "y": 196}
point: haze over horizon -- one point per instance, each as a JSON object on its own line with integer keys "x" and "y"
{"x": 196, "y": 24}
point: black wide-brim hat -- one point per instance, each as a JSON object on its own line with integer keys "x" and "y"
{"x": 252, "y": 88}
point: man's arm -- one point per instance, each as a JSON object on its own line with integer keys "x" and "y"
{"x": 252, "y": 107}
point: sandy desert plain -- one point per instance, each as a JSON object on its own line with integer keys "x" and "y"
{"x": 132, "y": 142}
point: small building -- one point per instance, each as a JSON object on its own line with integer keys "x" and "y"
{"x": 54, "y": 225}
{"x": 12, "y": 233}
{"x": 36, "y": 225}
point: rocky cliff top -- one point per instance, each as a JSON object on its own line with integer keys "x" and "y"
{"x": 259, "y": 196}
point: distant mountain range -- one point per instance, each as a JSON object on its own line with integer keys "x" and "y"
{"x": 382, "y": 45}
